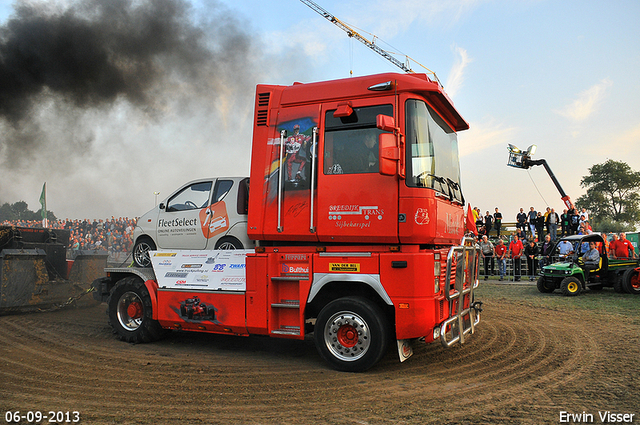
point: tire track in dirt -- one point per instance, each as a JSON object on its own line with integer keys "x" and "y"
{"x": 70, "y": 360}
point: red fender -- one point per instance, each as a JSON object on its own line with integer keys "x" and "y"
{"x": 152, "y": 287}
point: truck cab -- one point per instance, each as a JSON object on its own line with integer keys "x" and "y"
{"x": 202, "y": 214}
{"x": 363, "y": 160}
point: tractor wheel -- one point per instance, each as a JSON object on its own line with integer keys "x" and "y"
{"x": 141, "y": 252}
{"x": 545, "y": 286}
{"x": 351, "y": 334}
{"x": 618, "y": 284}
{"x": 631, "y": 281}
{"x": 570, "y": 286}
{"x": 130, "y": 312}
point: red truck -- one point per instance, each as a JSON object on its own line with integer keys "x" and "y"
{"x": 356, "y": 209}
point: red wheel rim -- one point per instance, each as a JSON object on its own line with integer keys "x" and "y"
{"x": 134, "y": 310}
{"x": 347, "y": 336}
{"x": 635, "y": 281}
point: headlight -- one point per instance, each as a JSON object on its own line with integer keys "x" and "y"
{"x": 436, "y": 333}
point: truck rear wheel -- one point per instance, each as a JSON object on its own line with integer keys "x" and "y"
{"x": 130, "y": 312}
{"x": 570, "y": 286}
{"x": 631, "y": 281}
{"x": 351, "y": 334}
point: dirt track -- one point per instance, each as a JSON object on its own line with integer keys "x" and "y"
{"x": 525, "y": 364}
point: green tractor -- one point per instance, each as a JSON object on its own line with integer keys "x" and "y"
{"x": 570, "y": 275}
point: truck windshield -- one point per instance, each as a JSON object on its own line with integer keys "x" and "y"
{"x": 432, "y": 151}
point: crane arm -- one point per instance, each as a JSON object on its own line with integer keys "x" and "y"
{"x": 565, "y": 198}
{"x": 353, "y": 33}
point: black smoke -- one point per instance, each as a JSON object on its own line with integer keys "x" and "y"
{"x": 93, "y": 53}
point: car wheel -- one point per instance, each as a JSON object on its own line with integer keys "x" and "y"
{"x": 631, "y": 281}
{"x": 229, "y": 242}
{"x": 141, "y": 252}
{"x": 570, "y": 286}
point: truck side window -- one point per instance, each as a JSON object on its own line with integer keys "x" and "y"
{"x": 192, "y": 197}
{"x": 351, "y": 143}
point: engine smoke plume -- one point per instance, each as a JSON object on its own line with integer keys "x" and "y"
{"x": 93, "y": 53}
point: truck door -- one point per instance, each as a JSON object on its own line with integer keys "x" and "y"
{"x": 288, "y": 204}
{"x": 355, "y": 202}
{"x": 181, "y": 223}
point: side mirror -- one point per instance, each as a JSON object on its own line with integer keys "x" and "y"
{"x": 385, "y": 123}
{"x": 388, "y": 154}
{"x": 161, "y": 206}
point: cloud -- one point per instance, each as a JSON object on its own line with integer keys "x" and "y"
{"x": 623, "y": 145}
{"x": 400, "y": 14}
{"x": 587, "y": 102}
{"x": 484, "y": 135}
{"x": 456, "y": 75}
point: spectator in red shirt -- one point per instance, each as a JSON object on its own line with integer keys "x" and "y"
{"x": 501, "y": 253}
{"x": 612, "y": 245}
{"x": 515, "y": 251}
{"x": 621, "y": 247}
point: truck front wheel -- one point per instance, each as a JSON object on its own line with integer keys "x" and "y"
{"x": 130, "y": 312}
{"x": 351, "y": 334}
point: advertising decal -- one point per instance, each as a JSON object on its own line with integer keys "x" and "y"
{"x": 215, "y": 270}
{"x": 214, "y": 219}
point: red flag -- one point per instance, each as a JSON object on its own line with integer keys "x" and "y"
{"x": 470, "y": 223}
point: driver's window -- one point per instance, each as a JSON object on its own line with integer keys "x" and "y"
{"x": 192, "y": 197}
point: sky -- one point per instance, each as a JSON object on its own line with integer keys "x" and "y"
{"x": 561, "y": 75}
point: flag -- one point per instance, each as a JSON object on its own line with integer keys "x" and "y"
{"x": 43, "y": 203}
{"x": 470, "y": 223}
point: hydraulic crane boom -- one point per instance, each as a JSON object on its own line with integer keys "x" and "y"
{"x": 519, "y": 159}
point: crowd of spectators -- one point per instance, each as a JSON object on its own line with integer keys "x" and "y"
{"x": 534, "y": 237}
{"x": 535, "y": 224}
{"x": 112, "y": 235}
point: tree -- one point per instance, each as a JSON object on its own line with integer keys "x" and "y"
{"x": 20, "y": 211}
{"x": 612, "y": 193}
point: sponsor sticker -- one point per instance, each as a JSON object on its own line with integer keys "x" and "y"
{"x": 164, "y": 254}
{"x": 174, "y": 274}
{"x": 344, "y": 267}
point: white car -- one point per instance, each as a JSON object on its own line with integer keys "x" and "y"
{"x": 202, "y": 214}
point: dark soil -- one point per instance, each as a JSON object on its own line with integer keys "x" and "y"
{"x": 532, "y": 357}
